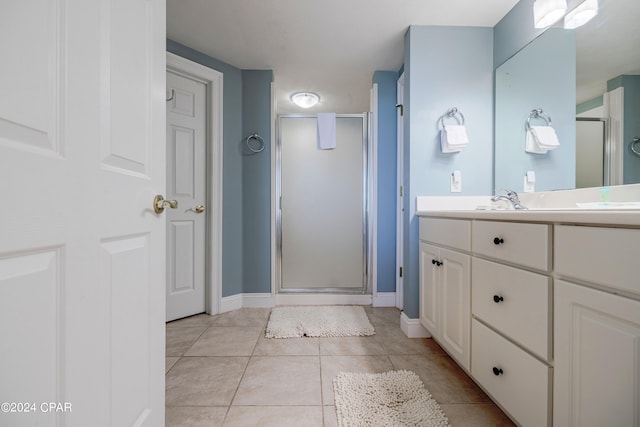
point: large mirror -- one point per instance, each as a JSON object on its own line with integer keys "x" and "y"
{"x": 587, "y": 82}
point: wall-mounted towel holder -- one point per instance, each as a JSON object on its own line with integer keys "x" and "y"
{"x": 635, "y": 146}
{"x": 538, "y": 113}
{"x": 255, "y": 143}
{"x": 452, "y": 113}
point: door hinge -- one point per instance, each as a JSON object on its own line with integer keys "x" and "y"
{"x": 401, "y": 109}
{"x": 400, "y": 271}
{"x": 401, "y": 191}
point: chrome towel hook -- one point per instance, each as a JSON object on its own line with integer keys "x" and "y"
{"x": 538, "y": 113}
{"x": 635, "y": 146}
{"x": 452, "y": 113}
{"x": 173, "y": 94}
{"x": 255, "y": 143}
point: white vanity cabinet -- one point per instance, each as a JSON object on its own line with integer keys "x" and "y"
{"x": 511, "y": 352}
{"x": 445, "y": 284}
{"x": 597, "y": 332}
{"x": 552, "y": 318}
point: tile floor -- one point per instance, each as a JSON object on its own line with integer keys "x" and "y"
{"x": 221, "y": 371}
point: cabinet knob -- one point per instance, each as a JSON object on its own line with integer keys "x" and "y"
{"x": 497, "y": 298}
{"x": 436, "y": 262}
{"x": 433, "y": 261}
{"x": 498, "y": 240}
{"x": 497, "y": 371}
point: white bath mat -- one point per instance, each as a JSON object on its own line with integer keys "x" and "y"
{"x": 318, "y": 321}
{"x": 395, "y": 398}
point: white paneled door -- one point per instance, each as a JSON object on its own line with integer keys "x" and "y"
{"x": 186, "y": 165}
{"x": 82, "y": 252}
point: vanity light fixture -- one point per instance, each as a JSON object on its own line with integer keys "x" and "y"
{"x": 305, "y": 99}
{"x": 547, "y": 12}
{"x": 581, "y": 14}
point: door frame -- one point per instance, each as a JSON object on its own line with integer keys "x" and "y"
{"x": 400, "y": 193}
{"x": 276, "y": 258}
{"x": 214, "y": 173}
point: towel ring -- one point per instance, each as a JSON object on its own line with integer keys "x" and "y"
{"x": 538, "y": 113}
{"x": 256, "y": 146}
{"x": 635, "y": 146}
{"x": 452, "y": 113}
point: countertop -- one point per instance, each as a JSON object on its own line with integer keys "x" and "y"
{"x": 623, "y": 217}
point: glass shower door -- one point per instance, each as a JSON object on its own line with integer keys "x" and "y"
{"x": 322, "y": 216}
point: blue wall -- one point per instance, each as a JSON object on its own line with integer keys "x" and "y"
{"x": 387, "y": 179}
{"x": 631, "y": 85}
{"x": 524, "y": 82}
{"x": 256, "y": 182}
{"x": 240, "y": 211}
{"x": 444, "y": 67}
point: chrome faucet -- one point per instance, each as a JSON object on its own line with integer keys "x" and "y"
{"x": 509, "y": 196}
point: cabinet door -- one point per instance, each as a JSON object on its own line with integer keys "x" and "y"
{"x": 455, "y": 304}
{"x": 428, "y": 293}
{"x": 597, "y": 358}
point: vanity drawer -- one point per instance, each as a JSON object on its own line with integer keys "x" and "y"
{"x": 519, "y": 243}
{"x": 455, "y": 233}
{"x": 515, "y": 302}
{"x": 519, "y": 382}
{"x": 600, "y": 255}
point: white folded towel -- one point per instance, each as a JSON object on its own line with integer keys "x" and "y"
{"x": 453, "y": 138}
{"x": 531, "y": 145}
{"x": 541, "y": 139}
{"x": 326, "y": 131}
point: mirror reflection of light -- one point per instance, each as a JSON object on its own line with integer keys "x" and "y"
{"x": 547, "y": 12}
{"x": 581, "y": 14}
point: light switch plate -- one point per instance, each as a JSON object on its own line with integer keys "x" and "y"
{"x": 456, "y": 182}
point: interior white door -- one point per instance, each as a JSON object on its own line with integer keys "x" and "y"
{"x": 186, "y": 167}
{"x": 82, "y": 252}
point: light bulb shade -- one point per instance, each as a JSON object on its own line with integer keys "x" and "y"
{"x": 305, "y": 99}
{"x": 547, "y": 12}
{"x": 581, "y": 14}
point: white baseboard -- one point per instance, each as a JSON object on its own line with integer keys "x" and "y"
{"x": 322, "y": 299}
{"x": 412, "y": 327}
{"x": 258, "y": 300}
{"x": 384, "y": 299}
{"x": 238, "y": 301}
{"x": 235, "y": 302}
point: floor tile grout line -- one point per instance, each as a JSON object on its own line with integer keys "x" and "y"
{"x": 235, "y": 393}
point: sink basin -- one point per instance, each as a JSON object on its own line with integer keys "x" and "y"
{"x": 577, "y": 207}
{"x": 609, "y": 205}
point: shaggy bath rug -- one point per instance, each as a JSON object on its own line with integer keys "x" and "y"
{"x": 318, "y": 321}
{"x": 395, "y": 398}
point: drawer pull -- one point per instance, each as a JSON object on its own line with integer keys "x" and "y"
{"x": 497, "y": 299}
{"x": 436, "y": 262}
{"x": 497, "y": 371}
{"x": 498, "y": 240}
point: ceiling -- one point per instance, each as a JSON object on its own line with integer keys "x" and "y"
{"x": 606, "y": 47}
{"x": 331, "y": 47}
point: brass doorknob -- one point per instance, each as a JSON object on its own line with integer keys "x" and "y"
{"x": 199, "y": 208}
{"x": 159, "y": 204}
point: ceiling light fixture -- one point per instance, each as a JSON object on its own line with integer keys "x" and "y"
{"x": 305, "y": 99}
{"x": 581, "y": 14}
{"x": 547, "y": 12}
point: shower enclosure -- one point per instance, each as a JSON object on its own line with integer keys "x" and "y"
{"x": 321, "y": 218}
